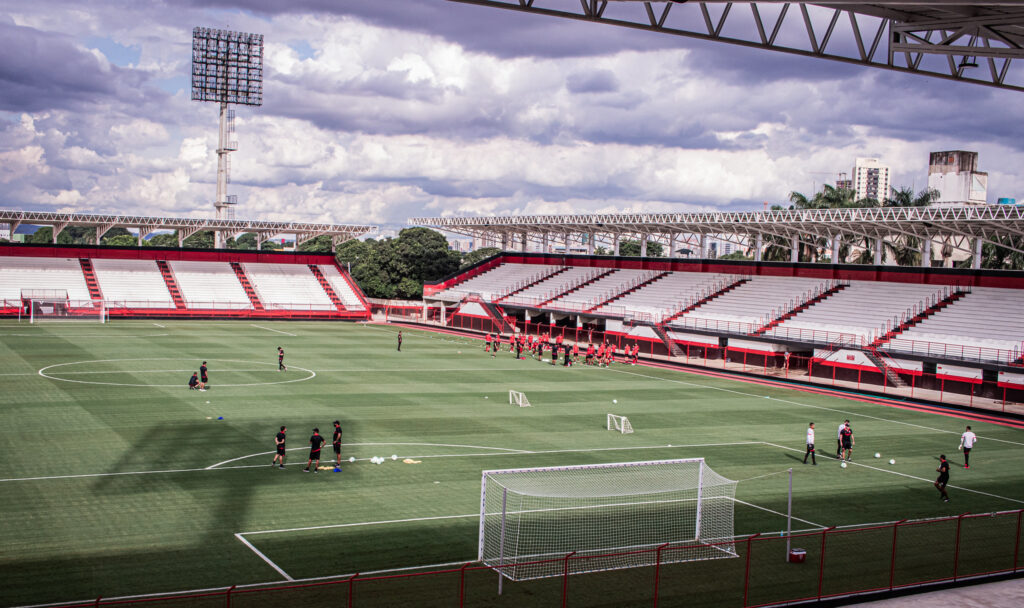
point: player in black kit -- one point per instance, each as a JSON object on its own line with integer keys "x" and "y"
{"x": 279, "y": 444}
{"x": 315, "y": 443}
{"x": 280, "y": 360}
{"x": 940, "y": 483}
{"x": 336, "y": 442}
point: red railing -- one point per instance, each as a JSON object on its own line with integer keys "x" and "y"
{"x": 834, "y": 562}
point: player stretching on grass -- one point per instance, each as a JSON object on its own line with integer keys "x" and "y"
{"x": 315, "y": 443}
{"x": 967, "y": 444}
{"x": 336, "y": 442}
{"x": 279, "y": 444}
{"x": 280, "y": 360}
{"x": 940, "y": 483}
{"x": 810, "y": 445}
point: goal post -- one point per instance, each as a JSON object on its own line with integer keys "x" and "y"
{"x": 618, "y": 423}
{"x": 42, "y": 305}
{"x": 610, "y": 516}
{"x": 518, "y": 399}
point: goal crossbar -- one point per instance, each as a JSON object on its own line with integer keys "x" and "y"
{"x": 618, "y": 423}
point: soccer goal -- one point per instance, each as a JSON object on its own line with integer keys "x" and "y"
{"x": 619, "y": 423}
{"x": 42, "y": 305}
{"x": 611, "y": 515}
{"x": 518, "y": 399}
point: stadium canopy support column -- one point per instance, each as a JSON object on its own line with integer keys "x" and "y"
{"x": 643, "y": 246}
{"x": 837, "y": 242}
{"x": 926, "y": 252}
{"x": 794, "y": 250}
{"x": 976, "y": 261}
{"x": 671, "y": 245}
{"x": 617, "y": 235}
{"x": 590, "y": 243}
{"x": 523, "y": 244}
{"x": 758, "y": 246}
{"x": 565, "y": 239}
{"x": 703, "y": 244}
{"x": 57, "y": 229}
{"x": 544, "y": 242}
{"x": 879, "y": 248}
{"x": 504, "y": 242}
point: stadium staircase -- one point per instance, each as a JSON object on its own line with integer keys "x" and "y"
{"x": 879, "y": 359}
{"x": 172, "y": 284}
{"x": 247, "y": 286}
{"x": 529, "y": 285}
{"x": 498, "y": 317}
{"x": 704, "y": 300}
{"x": 802, "y": 307}
{"x": 670, "y": 344}
{"x": 921, "y": 316}
{"x": 90, "y": 280}
{"x": 327, "y": 287}
{"x": 636, "y": 287}
{"x": 578, "y": 286}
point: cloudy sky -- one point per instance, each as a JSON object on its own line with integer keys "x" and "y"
{"x": 379, "y": 110}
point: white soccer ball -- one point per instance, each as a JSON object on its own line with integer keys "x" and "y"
{"x": 877, "y": 455}
{"x": 843, "y": 465}
{"x": 394, "y": 457}
{"x": 613, "y": 401}
{"x": 380, "y": 460}
{"x": 351, "y": 458}
{"x": 485, "y": 397}
{"x": 892, "y": 461}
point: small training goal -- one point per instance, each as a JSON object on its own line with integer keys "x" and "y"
{"x": 619, "y": 423}
{"x": 609, "y": 516}
{"x": 518, "y": 399}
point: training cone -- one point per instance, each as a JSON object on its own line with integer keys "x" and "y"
{"x": 337, "y": 469}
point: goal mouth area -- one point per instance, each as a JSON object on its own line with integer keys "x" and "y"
{"x": 551, "y": 565}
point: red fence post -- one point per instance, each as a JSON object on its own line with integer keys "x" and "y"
{"x": 462, "y": 584}
{"x": 227, "y": 596}
{"x": 351, "y": 584}
{"x": 101, "y": 597}
{"x": 1016, "y": 546}
{"x": 956, "y": 551}
{"x": 821, "y": 561}
{"x": 746, "y": 574}
{"x": 892, "y": 565}
{"x": 657, "y": 573}
{"x": 565, "y": 580}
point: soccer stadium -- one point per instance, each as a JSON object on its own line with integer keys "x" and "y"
{"x": 595, "y": 409}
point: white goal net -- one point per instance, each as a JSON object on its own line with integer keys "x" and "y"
{"x": 619, "y": 423}
{"x": 42, "y": 305}
{"x": 518, "y": 399}
{"x": 611, "y": 515}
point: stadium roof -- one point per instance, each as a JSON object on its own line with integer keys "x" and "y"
{"x": 186, "y": 227}
{"x": 963, "y": 227}
{"x": 952, "y": 39}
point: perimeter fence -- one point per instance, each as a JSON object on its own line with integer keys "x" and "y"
{"x": 771, "y": 569}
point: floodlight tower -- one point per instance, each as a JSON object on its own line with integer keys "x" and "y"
{"x": 227, "y": 68}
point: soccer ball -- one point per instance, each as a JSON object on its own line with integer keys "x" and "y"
{"x": 394, "y": 457}
{"x": 877, "y": 455}
{"x": 207, "y": 403}
{"x": 351, "y": 458}
{"x": 615, "y": 400}
{"x": 843, "y": 465}
{"x": 485, "y": 397}
{"x": 892, "y": 461}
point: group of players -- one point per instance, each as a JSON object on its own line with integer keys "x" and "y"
{"x": 316, "y": 442}
{"x": 200, "y": 379}
{"x": 603, "y": 355}
{"x": 845, "y": 443}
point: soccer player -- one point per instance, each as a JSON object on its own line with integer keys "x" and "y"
{"x": 399, "y": 340}
{"x": 966, "y": 444}
{"x": 839, "y": 439}
{"x": 519, "y": 348}
{"x": 600, "y": 354}
{"x": 575, "y": 352}
{"x": 203, "y": 377}
{"x": 846, "y": 436}
{"x": 495, "y": 345}
{"x": 279, "y": 444}
{"x": 943, "y": 479}
{"x": 315, "y": 443}
{"x": 487, "y": 342}
{"x": 280, "y": 360}
{"x": 636, "y": 352}
{"x": 336, "y": 443}
{"x": 566, "y": 360}
{"x": 590, "y": 354}
{"x": 810, "y": 445}
{"x": 193, "y": 382}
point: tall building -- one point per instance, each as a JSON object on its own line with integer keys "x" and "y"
{"x": 5, "y": 231}
{"x": 955, "y": 176}
{"x": 871, "y": 179}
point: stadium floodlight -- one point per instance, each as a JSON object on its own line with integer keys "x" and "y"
{"x": 608, "y": 516}
{"x": 227, "y": 68}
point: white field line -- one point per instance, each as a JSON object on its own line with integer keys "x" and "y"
{"x": 359, "y": 524}
{"x": 264, "y": 558}
{"x": 908, "y": 476}
{"x": 808, "y": 405}
{"x": 445, "y": 445}
{"x": 750, "y": 504}
{"x": 160, "y": 326}
{"x": 274, "y": 330}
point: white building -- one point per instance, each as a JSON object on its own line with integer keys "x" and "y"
{"x": 5, "y": 231}
{"x": 871, "y": 179}
{"x": 955, "y": 176}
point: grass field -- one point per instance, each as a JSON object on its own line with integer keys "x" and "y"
{"x": 117, "y": 480}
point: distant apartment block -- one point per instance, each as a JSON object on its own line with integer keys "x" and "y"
{"x": 955, "y": 176}
{"x": 871, "y": 179}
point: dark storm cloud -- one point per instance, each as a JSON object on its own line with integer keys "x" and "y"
{"x": 41, "y": 71}
{"x": 597, "y": 81}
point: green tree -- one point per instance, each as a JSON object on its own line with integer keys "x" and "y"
{"x": 320, "y": 244}
{"x": 631, "y": 248}
{"x": 72, "y": 235}
{"x": 115, "y": 233}
{"x": 164, "y": 239}
{"x": 204, "y": 239}
{"x": 479, "y": 255}
{"x": 735, "y": 255}
{"x": 121, "y": 240}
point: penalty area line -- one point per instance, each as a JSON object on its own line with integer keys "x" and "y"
{"x": 273, "y": 330}
{"x": 264, "y": 558}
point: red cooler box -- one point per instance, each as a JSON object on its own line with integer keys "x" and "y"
{"x": 797, "y": 556}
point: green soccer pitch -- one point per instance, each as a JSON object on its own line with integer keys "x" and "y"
{"x": 118, "y": 481}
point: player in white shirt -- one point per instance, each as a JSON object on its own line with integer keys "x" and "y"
{"x": 839, "y": 439}
{"x": 967, "y": 441}
{"x": 810, "y": 445}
